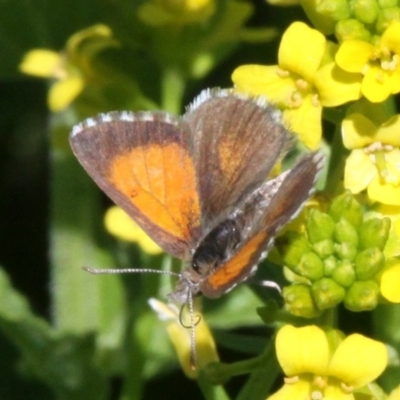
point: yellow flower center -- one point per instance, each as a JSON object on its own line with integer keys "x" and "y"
{"x": 385, "y": 59}
{"x": 318, "y": 385}
{"x": 389, "y": 62}
{"x": 346, "y": 388}
{"x": 300, "y": 90}
{"x": 377, "y": 154}
{"x": 377, "y": 146}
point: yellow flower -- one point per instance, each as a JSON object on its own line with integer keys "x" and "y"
{"x": 378, "y": 65}
{"x": 320, "y": 365}
{"x": 390, "y": 282}
{"x": 119, "y": 224}
{"x": 374, "y": 162}
{"x": 68, "y": 84}
{"x": 176, "y": 12}
{"x": 300, "y": 85}
{"x": 69, "y": 69}
{"x": 180, "y": 336}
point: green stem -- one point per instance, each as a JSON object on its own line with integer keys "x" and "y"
{"x": 337, "y": 162}
{"x": 173, "y": 86}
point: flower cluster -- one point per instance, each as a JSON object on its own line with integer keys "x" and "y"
{"x": 302, "y": 83}
{"x": 339, "y": 258}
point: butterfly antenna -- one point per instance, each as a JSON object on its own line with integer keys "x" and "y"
{"x": 192, "y": 331}
{"x": 99, "y": 271}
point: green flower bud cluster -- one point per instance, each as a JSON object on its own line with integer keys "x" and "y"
{"x": 338, "y": 259}
{"x": 355, "y": 19}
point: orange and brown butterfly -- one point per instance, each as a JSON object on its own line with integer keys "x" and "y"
{"x": 197, "y": 184}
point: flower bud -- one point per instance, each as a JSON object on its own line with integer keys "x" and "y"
{"x": 374, "y": 233}
{"x": 299, "y": 302}
{"x": 335, "y": 9}
{"x": 310, "y": 266}
{"x": 344, "y": 273}
{"x": 386, "y": 17}
{"x": 346, "y": 251}
{"x": 362, "y": 296}
{"x": 368, "y": 263}
{"x": 292, "y": 253}
{"x": 319, "y": 226}
{"x": 347, "y": 207}
{"x": 351, "y": 29}
{"x": 366, "y": 11}
{"x": 324, "y": 248}
{"x": 387, "y": 3}
{"x": 345, "y": 232}
{"x": 330, "y": 264}
{"x": 327, "y": 293}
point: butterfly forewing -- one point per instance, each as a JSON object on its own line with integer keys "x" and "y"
{"x": 238, "y": 140}
{"x": 143, "y": 162}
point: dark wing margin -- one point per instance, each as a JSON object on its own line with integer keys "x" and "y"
{"x": 143, "y": 162}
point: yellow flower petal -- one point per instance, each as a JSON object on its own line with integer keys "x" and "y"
{"x": 394, "y": 394}
{"x": 388, "y": 133}
{"x": 383, "y": 192}
{"x": 180, "y": 337}
{"x": 302, "y": 350}
{"x": 353, "y": 55}
{"x": 62, "y": 93}
{"x": 395, "y": 78}
{"x": 306, "y": 122}
{"x": 391, "y": 38}
{"x": 334, "y": 392}
{"x": 121, "y": 225}
{"x": 41, "y": 62}
{"x": 294, "y": 51}
{"x": 392, "y": 173}
{"x": 298, "y": 390}
{"x": 390, "y": 284}
{"x": 358, "y": 360}
{"x": 358, "y": 131}
{"x": 377, "y": 84}
{"x": 335, "y": 86}
{"x": 263, "y": 80}
{"x": 358, "y": 171}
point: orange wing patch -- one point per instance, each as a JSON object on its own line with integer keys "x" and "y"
{"x": 160, "y": 181}
{"x": 222, "y": 279}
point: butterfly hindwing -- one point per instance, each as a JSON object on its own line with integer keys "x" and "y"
{"x": 262, "y": 220}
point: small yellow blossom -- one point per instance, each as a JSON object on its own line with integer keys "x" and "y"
{"x": 180, "y": 337}
{"x": 68, "y": 84}
{"x": 69, "y": 69}
{"x": 378, "y": 65}
{"x": 374, "y": 162}
{"x": 300, "y": 85}
{"x": 320, "y": 365}
{"x": 119, "y": 224}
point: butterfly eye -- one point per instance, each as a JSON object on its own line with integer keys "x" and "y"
{"x": 195, "y": 266}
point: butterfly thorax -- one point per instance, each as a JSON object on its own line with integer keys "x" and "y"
{"x": 218, "y": 246}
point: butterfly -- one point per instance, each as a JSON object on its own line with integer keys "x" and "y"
{"x": 199, "y": 184}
